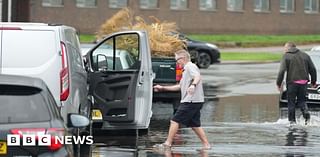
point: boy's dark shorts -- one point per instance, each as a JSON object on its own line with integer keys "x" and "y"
{"x": 188, "y": 114}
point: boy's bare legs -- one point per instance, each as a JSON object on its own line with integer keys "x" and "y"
{"x": 174, "y": 126}
{"x": 201, "y": 134}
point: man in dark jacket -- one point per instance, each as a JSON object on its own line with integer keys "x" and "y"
{"x": 298, "y": 66}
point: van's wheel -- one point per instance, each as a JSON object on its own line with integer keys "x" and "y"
{"x": 204, "y": 60}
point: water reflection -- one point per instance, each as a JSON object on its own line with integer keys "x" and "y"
{"x": 297, "y": 137}
{"x": 172, "y": 153}
{"x": 294, "y": 155}
{"x": 249, "y": 108}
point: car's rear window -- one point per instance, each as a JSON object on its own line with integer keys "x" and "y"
{"x": 20, "y": 104}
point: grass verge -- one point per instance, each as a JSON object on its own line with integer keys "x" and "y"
{"x": 252, "y": 56}
{"x": 87, "y": 38}
{"x": 255, "y": 40}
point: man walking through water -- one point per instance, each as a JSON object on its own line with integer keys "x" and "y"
{"x": 192, "y": 99}
{"x": 298, "y": 65}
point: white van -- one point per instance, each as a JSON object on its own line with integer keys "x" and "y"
{"x": 49, "y": 52}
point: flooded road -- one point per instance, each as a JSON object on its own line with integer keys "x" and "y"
{"x": 240, "y": 117}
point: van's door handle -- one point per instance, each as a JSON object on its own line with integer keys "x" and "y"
{"x": 141, "y": 78}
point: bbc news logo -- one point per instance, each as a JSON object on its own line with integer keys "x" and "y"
{"x": 46, "y": 140}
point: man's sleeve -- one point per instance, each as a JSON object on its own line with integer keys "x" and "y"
{"x": 281, "y": 72}
{"x": 194, "y": 71}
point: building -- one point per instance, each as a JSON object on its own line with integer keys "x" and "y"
{"x": 14, "y": 10}
{"x": 191, "y": 16}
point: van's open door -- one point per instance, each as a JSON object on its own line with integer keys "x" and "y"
{"x": 1, "y": 49}
{"x": 120, "y": 78}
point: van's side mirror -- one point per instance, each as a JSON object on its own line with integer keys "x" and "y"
{"x": 102, "y": 62}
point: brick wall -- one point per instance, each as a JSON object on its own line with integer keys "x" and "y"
{"x": 192, "y": 20}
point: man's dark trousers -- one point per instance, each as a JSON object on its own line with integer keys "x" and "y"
{"x": 296, "y": 95}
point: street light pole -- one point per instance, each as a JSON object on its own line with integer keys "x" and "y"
{"x": 9, "y": 10}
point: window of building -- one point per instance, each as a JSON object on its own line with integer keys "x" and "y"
{"x": 261, "y": 5}
{"x": 287, "y": 6}
{"x": 148, "y": 4}
{"x": 235, "y": 5}
{"x": 52, "y": 3}
{"x": 208, "y": 5}
{"x": 86, "y": 3}
{"x": 311, "y": 6}
{"x": 118, "y": 3}
{"x": 179, "y": 4}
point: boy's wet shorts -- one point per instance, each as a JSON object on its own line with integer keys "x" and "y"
{"x": 188, "y": 114}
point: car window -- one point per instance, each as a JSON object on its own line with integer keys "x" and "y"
{"x": 20, "y": 104}
{"x": 54, "y": 107}
{"x": 118, "y": 65}
{"x": 75, "y": 56}
{"x": 129, "y": 59}
{"x": 124, "y": 57}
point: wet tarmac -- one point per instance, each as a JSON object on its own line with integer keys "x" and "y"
{"x": 240, "y": 118}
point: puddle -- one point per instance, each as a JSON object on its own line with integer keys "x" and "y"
{"x": 247, "y": 126}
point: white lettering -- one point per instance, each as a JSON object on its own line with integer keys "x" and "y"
{"x": 68, "y": 140}
{"x": 79, "y": 139}
{"x": 58, "y": 139}
{"x": 89, "y": 140}
{"x": 44, "y": 140}
{"x": 13, "y": 140}
{"x": 29, "y": 140}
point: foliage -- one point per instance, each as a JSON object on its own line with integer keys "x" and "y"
{"x": 162, "y": 40}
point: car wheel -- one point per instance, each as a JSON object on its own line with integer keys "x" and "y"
{"x": 204, "y": 60}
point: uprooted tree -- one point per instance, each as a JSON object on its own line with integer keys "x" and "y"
{"x": 163, "y": 36}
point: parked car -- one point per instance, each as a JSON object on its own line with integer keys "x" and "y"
{"x": 50, "y": 52}
{"x": 202, "y": 53}
{"x": 122, "y": 92}
{"x": 313, "y": 94}
{"x": 27, "y": 107}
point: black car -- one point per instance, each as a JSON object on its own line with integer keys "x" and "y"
{"x": 313, "y": 94}
{"x": 28, "y": 108}
{"x": 202, "y": 53}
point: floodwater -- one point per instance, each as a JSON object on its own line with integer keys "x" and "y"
{"x": 240, "y": 118}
